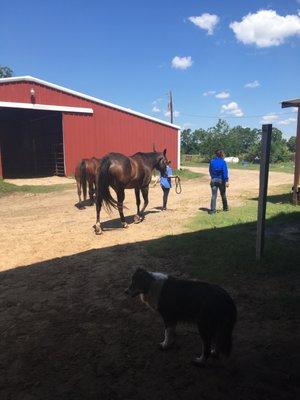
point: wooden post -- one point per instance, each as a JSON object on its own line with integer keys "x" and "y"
{"x": 297, "y": 162}
{"x": 263, "y": 188}
{"x": 171, "y": 107}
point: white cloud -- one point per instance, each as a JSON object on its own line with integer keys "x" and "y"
{"x": 209, "y": 93}
{"x": 182, "y": 62}
{"x": 294, "y": 109}
{"x": 155, "y": 109}
{"x": 252, "y": 85}
{"x": 269, "y": 118}
{"x": 187, "y": 125}
{"x": 232, "y": 108}
{"x": 266, "y": 28}
{"x": 157, "y": 101}
{"x": 206, "y": 21}
{"x": 287, "y": 121}
{"x": 222, "y": 95}
{"x": 175, "y": 113}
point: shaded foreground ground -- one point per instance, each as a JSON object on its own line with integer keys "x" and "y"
{"x": 67, "y": 330}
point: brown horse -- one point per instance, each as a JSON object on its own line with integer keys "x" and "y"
{"x": 121, "y": 172}
{"x": 85, "y": 172}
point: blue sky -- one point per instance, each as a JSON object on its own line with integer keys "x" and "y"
{"x": 133, "y": 52}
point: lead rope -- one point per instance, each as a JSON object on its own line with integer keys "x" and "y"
{"x": 178, "y": 188}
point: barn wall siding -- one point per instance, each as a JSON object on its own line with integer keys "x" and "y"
{"x": 107, "y": 130}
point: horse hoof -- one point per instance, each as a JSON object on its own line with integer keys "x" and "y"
{"x": 137, "y": 219}
{"x": 98, "y": 230}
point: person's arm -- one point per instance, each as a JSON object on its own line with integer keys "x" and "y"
{"x": 210, "y": 168}
{"x": 170, "y": 174}
{"x": 225, "y": 174}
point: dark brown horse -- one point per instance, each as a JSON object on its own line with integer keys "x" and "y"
{"x": 121, "y": 172}
{"x": 85, "y": 173}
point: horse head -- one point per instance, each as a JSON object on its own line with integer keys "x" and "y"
{"x": 161, "y": 161}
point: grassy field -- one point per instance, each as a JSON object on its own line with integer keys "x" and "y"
{"x": 186, "y": 174}
{"x": 222, "y": 244}
{"x": 280, "y": 167}
{"x": 7, "y": 188}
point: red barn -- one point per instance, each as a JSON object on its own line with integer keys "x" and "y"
{"x": 45, "y": 129}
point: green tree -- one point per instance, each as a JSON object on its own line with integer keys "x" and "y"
{"x": 291, "y": 144}
{"x": 5, "y": 72}
{"x": 240, "y": 140}
{"x": 279, "y": 148}
{"x": 186, "y": 141}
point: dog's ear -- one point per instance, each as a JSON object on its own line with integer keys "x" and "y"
{"x": 139, "y": 269}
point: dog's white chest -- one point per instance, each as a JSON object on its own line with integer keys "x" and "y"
{"x": 152, "y": 297}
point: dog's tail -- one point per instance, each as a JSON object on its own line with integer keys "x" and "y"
{"x": 224, "y": 338}
{"x": 224, "y": 344}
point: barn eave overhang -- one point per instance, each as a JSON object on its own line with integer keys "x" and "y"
{"x": 46, "y": 107}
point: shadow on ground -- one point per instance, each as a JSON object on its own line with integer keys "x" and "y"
{"x": 69, "y": 332}
{"x": 285, "y": 198}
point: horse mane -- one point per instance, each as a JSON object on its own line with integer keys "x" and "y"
{"x": 152, "y": 154}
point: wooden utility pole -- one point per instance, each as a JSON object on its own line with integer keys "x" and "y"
{"x": 170, "y": 106}
{"x": 297, "y": 162}
{"x": 263, "y": 188}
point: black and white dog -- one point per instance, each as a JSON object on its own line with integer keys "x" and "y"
{"x": 178, "y": 300}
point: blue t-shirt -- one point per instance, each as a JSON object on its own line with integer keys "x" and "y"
{"x": 165, "y": 181}
{"x": 218, "y": 169}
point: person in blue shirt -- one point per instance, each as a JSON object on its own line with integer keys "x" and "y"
{"x": 219, "y": 180}
{"x": 165, "y": 184}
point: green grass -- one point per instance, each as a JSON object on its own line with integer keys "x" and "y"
{"x": 7, "y": 188}
{"x": 186, "y": 174}
{"x": 287, "y": 167}
{"x": 216, "y": 247}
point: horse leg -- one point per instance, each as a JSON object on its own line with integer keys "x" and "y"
{"x": 137, "y": 217}
{"x": 121, "y": 197}
{"x": 80, "y": 206}
{"x": 145, "y": 192}
{"x": 97, "y": 226}
{"x": 91, "y": 190}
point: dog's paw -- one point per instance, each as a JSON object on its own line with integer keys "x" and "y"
{"x": 163, "y": 346}
{"x": 199, "y": 362}
{"x": 214, "y": 353}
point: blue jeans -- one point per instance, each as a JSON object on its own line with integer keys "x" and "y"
{"x": 215, "y": 185}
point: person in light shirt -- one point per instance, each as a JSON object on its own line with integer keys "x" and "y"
{"x": 166, "y": 184}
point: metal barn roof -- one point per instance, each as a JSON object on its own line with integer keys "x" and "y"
{"x": 29, "y": 78}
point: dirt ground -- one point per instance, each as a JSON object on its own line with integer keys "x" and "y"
{"x": 38, "y": 227}
{"x": 67, "y": 331}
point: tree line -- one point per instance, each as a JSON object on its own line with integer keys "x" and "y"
{"x": 236, "y": 142}
{"x": 5, "y": 72}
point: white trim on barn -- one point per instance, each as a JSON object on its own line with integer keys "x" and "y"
{"x": 178, "y": 148}
{"x": 46, "y": 107}
{"x": 84, "y": 96}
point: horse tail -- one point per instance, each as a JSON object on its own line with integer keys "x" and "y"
{"x": 103, "y": 185}
{"x": 83, "y": 178}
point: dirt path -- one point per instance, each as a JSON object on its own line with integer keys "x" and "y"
{"x": 38, "y": 227}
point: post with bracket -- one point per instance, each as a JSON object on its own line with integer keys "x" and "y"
{"x": 263, "y": 188}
